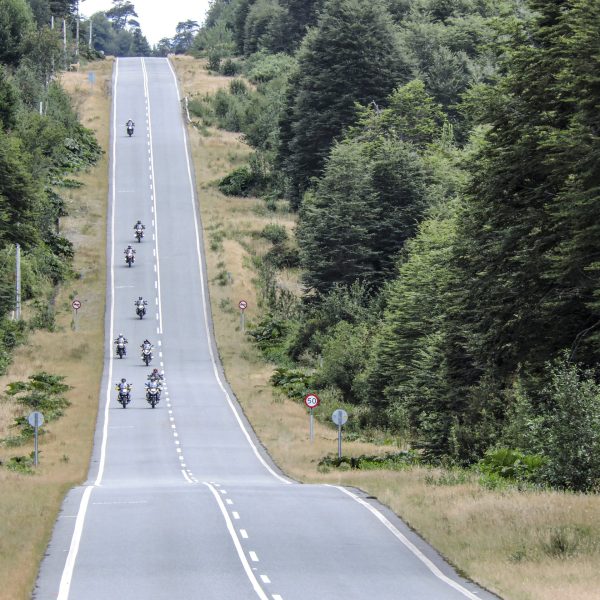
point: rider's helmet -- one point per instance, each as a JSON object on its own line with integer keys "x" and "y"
{"x": 123, "y": 380}
{"x": 129, "y": 247}
{"x": 138, "y": 222}
{"x": 140, "y": 298}
{"x": 120, "y": 335}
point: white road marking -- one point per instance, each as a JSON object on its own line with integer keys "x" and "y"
{"x": 238, "y": 546}
{"x": 236, "y": 515}
{"x": 121, "y": 502}
{"x": 205, "y": 294}
{"x": 400, "y": 536}
{"x": 223, "y": 491}
{"x": 229, "y": 501}
{"x": 253, "y": 556}
{"x": 186, "y": 476}
{"x": 244, "y": 533}
{"x": 277, "y": 597}
{"x": 181, "y": 458}
{"x": 155, "y": 224}
{"x": 265, "y": 579}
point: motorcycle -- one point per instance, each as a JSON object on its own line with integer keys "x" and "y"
{"x": 140, "y": 310}
{"x": 121, "y": 350}
{"x": 147, "y": 355}
{"x": 124, "y": 397}
{"x": 129, "y": 129}
{"x": 139, "y": 234}
{"x": 129, "y": 258}
{"x": 153, "y": 395}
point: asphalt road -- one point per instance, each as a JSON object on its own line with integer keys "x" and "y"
{"x": 181, "y": 501}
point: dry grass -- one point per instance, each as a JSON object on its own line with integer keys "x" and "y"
{"x": 29, "y": 504}
{"x": 522, "y": 545}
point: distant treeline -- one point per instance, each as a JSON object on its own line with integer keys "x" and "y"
{"x": 444, "y": 160}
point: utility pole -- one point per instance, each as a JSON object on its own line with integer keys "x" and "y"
{"x": 90, "y": 40}
{"x": 77, "y": 35}
{"x": 65, "y": 41}
{"x": 18, "y": 286}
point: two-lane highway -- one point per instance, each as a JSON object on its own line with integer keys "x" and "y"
{"x": 181, "y": 501}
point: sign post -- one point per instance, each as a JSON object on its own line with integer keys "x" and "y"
{"x": 243, "y": 306}
{"x": 76, "y": 304}
{"x": 312, "y": 401}
{"x": 339, "y": 417}
{"x": 36, "y": 420}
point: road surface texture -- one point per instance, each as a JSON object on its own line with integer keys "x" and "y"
{"x": 181, "y": 501}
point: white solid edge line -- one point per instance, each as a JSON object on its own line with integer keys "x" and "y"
{"x": 238, "y": 546}
{"x": 204, "y": 295}
{"x": 67, "y": 574}
{"x": 186, "y": 476}
{"x": 409, "y": 545}
{"x": 155, "y": 221}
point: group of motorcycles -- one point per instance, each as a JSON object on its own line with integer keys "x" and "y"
{"x": 154, "y": 379}
{"x": 152, "y": 385}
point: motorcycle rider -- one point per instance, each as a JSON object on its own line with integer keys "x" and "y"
{"x": 155, "y": 376}
{"x": 123, "y": 387}
{"x": 146, "y": 345}
{"x": 140, "y": 303}
{"x": 139, "y": 228}
{"x": 121, "y": 339}
{"x": 129, "y": 252}
{"x": 152, "y": 384}
{"x": 130, "y": 124}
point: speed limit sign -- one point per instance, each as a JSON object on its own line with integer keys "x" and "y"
{"x": 312, "y": 401}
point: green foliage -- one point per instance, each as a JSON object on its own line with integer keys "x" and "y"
{"x": 511, "y": 464}
{"x": 365, "y": 206}
{"x": 21, "y": 464}
{"x": 294, "y": 383}
{"x": 43, "y": 391}
{"x": 240, "y": 182}
{"x": 262, "y": 67}
{"x": 16, "y": 23}
{"x": 350, "y": 56}
{"x": 275, "y": 233}
{"x": 344, "y": 359}
{"x": 230, "y": 68}
{"x": 394, "y": 461}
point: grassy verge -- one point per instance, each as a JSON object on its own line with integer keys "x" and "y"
{"x": 522, "y": 545}
{"x": 29, "y": 504}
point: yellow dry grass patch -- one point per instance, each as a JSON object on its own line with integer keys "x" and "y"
{"x": 522, "y": 545}
{"x": 29, "y": 504}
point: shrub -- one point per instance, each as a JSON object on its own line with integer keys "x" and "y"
{"x": 238, "y": 88}
{"x": 230, "y": 68}
{"x": 240, "y": 182}
{"x": 571, "y": 436}
{"x": 282, "y": 256}
{"x": 295, "y": 383}
{"x": 511, "y": 464}
{"x": 276, "y": 234}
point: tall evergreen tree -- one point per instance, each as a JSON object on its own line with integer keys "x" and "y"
{"x": 350, "y": 56}
{"x": 528, "y": 235}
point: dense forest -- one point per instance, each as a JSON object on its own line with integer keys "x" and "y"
{"x": 443, "y": 157}
{"x": 42, "y": 144}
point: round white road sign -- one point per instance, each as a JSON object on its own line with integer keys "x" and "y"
{"x": 339, "y": 416}
{"x": 76, "y": 304}
{"x": 35, "y": 419}
{"x": 312, "y": 400}
{"x": 243, "y": 305}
